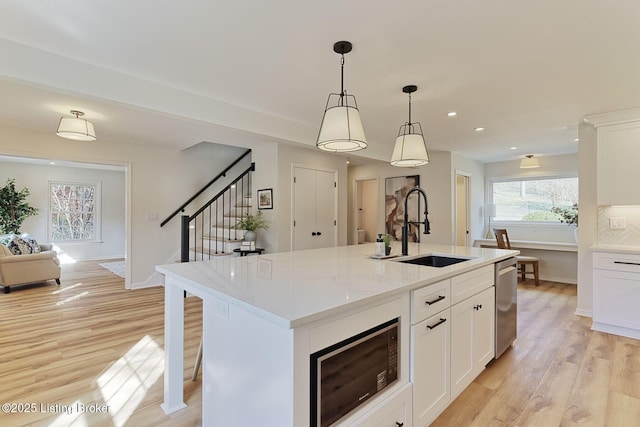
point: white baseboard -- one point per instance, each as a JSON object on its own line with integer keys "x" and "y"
{"x": 583, "y": 312}
{"x": 568, "y": 280}
{"x": 616, "y": 330}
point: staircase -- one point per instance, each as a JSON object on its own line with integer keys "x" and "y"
{"x": 211, "y": 230}
{"x": 222, "y": 237}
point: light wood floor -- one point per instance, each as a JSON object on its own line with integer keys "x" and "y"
{"x": 559, "y": 373}
{"x": 89, "y": 341}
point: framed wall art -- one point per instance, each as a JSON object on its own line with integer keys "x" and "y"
{"x": 265, "y": 198}
{"x": 396, "y": 189}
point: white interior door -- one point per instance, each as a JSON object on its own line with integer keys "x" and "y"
{"x": 314, "y": 212}
{"x": 325, "y": 209}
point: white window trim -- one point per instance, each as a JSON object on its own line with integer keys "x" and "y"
{"x": 97, "y": 207}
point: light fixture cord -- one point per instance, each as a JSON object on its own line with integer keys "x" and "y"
{"x": 342, "y": 81}
{"x": 409, "y": 110}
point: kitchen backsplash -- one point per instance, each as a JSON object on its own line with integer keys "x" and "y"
{"x": 619, "y": 225}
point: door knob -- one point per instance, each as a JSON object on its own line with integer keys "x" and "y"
{"x": 314, "y": 233}
{"x": 319, "y": 233}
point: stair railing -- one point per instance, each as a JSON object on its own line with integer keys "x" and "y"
{"x": 214, "y": 223}
{"x": 203, "y": 189}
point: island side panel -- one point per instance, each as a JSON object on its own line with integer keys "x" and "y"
{"x": 173, "y": 347}
{"x": 247, "y": 368}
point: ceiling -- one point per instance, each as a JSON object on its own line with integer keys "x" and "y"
{"x": 178, "y": 73}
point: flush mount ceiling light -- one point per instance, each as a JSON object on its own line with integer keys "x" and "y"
{"x": 76, "y": 128}
{"x": 341, "y": 128}
{"x": 410, "y": 149}
{"x": 529, "y": 162}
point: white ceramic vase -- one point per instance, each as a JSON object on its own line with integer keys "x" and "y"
{"x": 249, "y": 236}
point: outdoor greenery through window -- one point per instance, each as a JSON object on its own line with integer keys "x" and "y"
{"x": 532, "y": 200}
{"x": 73, "y": 211}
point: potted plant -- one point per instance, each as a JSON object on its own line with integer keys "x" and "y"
{"x": 251, "y": 223}
{"x": 13, "y": 208}
{"x": 569, "y": 216}
{"x": 386, "y": 238}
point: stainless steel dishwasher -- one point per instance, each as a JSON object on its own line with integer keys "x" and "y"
{"x": 506, "y": 304}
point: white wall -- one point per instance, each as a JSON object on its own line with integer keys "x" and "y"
{"x": 436, "y": 178}
{"x": 36, "y": 178}
{"x": 588, "y": 230}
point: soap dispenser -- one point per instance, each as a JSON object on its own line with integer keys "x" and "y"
{"x": 380, "y": 251}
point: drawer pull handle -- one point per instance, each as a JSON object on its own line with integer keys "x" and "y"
{"x": 399, "y": 424}
{"x": 626, "y": 262}
{"x": 437, "y": 324}
{"x": 477, "y": 307}
{"x": 440, "y": 298}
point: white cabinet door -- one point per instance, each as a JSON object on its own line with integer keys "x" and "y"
{"x": 314, "y": 209}
{"x": 462, "y": 315}
{"x": 472, "y": 338}
{"x": 430, "y": 367}
{"x": 484, "y": 329}
{"x": 618, "y": 171}
{"x": 616, "y": 297}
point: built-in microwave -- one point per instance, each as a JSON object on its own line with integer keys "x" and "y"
{"x": 347, "y": 374}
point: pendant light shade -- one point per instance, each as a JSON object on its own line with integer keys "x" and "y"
{"x": 410, "y": 149}
{"x": 341, "y": 128}
{"x": 529, "y": 162}
{"x": 76, "y": 128}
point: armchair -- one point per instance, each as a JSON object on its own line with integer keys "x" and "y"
{"x": 28, "y": 268}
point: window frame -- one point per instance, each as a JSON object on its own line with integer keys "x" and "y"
{"x": 516, "y": 178}
{"x": 97, "y": 207}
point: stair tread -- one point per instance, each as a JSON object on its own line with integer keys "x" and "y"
{"x": 211, "y": 252}
{"x": 220, "y": 238}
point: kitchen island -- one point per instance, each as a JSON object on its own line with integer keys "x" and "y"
{"x": 263, "y": 316}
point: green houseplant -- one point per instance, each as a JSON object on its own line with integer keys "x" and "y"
{"x": 251, "y": 223}
{"x": 14, "y": 208}
{"x": 568, "y": 215}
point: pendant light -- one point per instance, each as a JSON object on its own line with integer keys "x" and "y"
{"x": 76, "y": 128}
{"x": 410, "y": 149}
{"x": 341, "y": 128}
{"x": 529, "y": 162}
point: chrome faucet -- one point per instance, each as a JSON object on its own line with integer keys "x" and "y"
{"x": 405, "y": 226}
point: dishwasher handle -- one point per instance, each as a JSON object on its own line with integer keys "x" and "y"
{"x": 505, "y": 270}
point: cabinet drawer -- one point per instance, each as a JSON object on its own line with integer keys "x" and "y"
{"x": 616, "y": 261}
{"x": 430, "y": 300}
{"x": 393, "y": 412}
{"x": 468, "y": 284}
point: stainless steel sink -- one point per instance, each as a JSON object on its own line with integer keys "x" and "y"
{"x": 434, "y": 260}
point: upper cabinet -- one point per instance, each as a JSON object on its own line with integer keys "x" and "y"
{"x": 618, "y": 151}
{"x": 618, "y": 164}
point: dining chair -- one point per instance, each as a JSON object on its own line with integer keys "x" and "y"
{"x": 502, "y": 239}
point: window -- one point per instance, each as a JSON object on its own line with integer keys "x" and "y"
{"x": 73, "y": 211}
{"x": 532, "y": 199}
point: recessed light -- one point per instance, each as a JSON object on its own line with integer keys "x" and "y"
{"x": 479, "y": 129}
{"x": 576, "y": 139}
{"x": 52, "y": 163}
{"x": 513, "y": 148}
{"x": 452, "y": 114}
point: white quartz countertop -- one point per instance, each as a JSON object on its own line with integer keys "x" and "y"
{"x": 616, "y": 248}
{"x": 294, "y": 288}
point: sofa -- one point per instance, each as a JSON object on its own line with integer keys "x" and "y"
{"x": 28, "y": 268}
